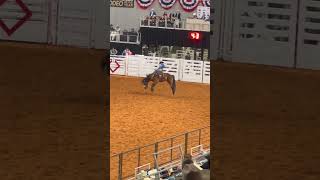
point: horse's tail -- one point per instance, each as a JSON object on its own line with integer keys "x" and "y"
{"x": 173, "y": 86}
{"x": 144, "y": 81}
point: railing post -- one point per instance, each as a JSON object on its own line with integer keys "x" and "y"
{"x": 171, "y": 149}
{"x": 165, "y": 22}
{"x": 186, "y": 143}
{"x": 156, "y": 146}
{"x": 139, "y": 153}
{"x": 199, "y": 136}
{"x": 120, "y": 166}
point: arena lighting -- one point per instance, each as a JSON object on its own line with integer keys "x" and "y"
{"x": 194, "y": 36}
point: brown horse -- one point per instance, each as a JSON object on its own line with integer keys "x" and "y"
{"x": 160, "y": 77}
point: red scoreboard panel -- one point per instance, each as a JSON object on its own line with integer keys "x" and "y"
{"x": 195, "y": 36}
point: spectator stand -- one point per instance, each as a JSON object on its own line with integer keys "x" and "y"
{"x": 195, "y": 23}
{"x": 161, "y": 22}
{"x": 128, "y": 37}
{"x": 167, "y": 170}
{"x": 199, "y": 156}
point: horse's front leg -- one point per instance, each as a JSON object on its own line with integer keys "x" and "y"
{"x": 145, "y": 87}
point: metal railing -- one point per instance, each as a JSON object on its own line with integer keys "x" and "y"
{"x": 124, "y": 38}
{"x": 164, "y": 23}
{"x": 167, "y": 23}
{"x": 122, "y": 165}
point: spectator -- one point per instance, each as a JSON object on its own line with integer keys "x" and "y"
{"x": 204, "y": 16}
{"x": 132, "y": 32}
{"x": 206, "y": 165}
{"x": 205, "y": 174}
{"x": 190, "y": 172}
{"x": 152, "y": 13}
{"x": 179, "y": 15}
{"x": 126, "y": 52}
{"x": 145, "y": 50}
{"x": 188, "y": 56}
{"x": 165, "y": 14}
{"x": 176, "y": 23}
{"x": 187, "y": 160}
{"x": 162, "y": 22}
{"x": 194, "y": 16}
{"x": 118, "y": 29}
{"x": 113, "y": 51}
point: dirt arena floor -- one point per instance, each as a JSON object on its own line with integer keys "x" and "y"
{"x": 139, "y": 118}
{"x": 52, "y": 111}
{"x": 266, "y": 123}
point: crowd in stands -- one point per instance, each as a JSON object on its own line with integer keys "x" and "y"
{"x": 175, "y": 52}
{"x": 172, "y": 19}
{"x": 204, "y": 17}
{"x": 169, "y": 19}
{"x": 116, "y": 34}
{"x": 126, "y": 52}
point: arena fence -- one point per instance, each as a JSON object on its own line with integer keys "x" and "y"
{"x": 123, "y": 165}
{"x": 80, "y": 23}
{"x": 140, "y": 66}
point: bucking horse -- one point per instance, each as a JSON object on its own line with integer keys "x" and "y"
{"x": 159, "y": 77}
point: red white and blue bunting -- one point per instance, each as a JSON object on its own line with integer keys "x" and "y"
{"x": 189, "y": 5}
{"x": 167, "y": 4}
{"x": 206, "y": 3}
{"x": 144, "y": 4}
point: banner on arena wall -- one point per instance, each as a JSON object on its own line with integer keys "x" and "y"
{"x": 206, "y": 3}
{"x": 144, "y": 4}
{"x": 189, "y": 5}
{"x": 167, "y": 4}
{"x": 122, "y": 3}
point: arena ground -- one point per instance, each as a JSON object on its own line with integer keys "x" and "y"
{"x": 267, "y": 123}
{"x": 266, "y": 119}
{"x": 138, "y": 118}
{"x": 52, "y": 111}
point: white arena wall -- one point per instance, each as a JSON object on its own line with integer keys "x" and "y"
{"x": 140, "y": 66}
{"x": 81, "y": 23}
{"x": 282, "y": 33}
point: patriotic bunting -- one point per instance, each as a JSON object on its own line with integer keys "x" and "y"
{"x": 189, "y": 5}
{"x": 144, "y": 4}
{"x": 167, "y": 4}
{"x": 206, "y": 3}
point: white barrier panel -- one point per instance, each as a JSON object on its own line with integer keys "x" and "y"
{"x": 140, "y": 66}
{"x": 118, "y": 65}
{"x": 148, "y": 65}
{"x": 192, "y": 71}
{"x": 32, "y": 29}
{"x": 206, "y": 72}
{"x": 74, "y": 25}
{"x": 134, "y": 65}
{"x": 172, "y": 66}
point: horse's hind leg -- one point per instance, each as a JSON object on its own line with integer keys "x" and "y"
{"x": 153, "y": 85}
